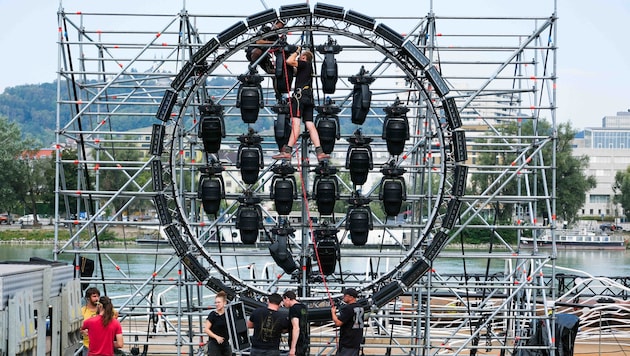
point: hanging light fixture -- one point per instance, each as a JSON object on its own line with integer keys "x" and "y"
{"x": 325, "y": 188}
{"x": 359, "y": 219}
{"x": 329, "y": 74}
{"x": 211, "y": 126}
{"x": 395, "y": 127}
{"x": 359, "y": 158}
{"x": 211, "y": 188}
{"x": 249, "y": 157}
{"x": 282, "y": 123}
{"x": 283, "y": 188}
{"x": 279, "y": 248}
{"x": 361, "y": 96}
{"x": 393, "y": 189}
{"x": 249, "y": 97}
{"x": 249, "y": 217}
{"x": 327, "y": 248}
{"x": 327, "y": 124}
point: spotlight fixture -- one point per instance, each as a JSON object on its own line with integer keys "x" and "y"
{"x": 360, "y": 20}
{"x": 283, "y": 188}
{"x": 279, "y": 249}
{"x": 389, "y": 34}
{"x": 325, "y": 188}
{"x": 438, "y": 82}
{"x": 414, "y": 52}
{"x": 452, "y": 114}
{"x": 328, "y": 11}
{"x": 361, "y": 96}
{"x": 282, "y": 123}
{"x": 261, "y": 18}
{"x": 395, "y": 127}
{"x": 202, "y": 54}
{"x": 249, "y": 157}
{"x": 329, "y": 74}
{"x": 458, "y": 142}
{"x": 166, "y": 105}
{"x": 327, "y": 124}
{"x": 393, "y": 189}
{"x": 249, "y": 217}
{"x": 327, "y": 248}
{"x": 211, "y": 188}
{"x": 232, "y": 32}
{"x": 359, "y": 219}
{"x": 156, "y": 146}
{"x": 211, "y": 126}
{"x": 249, "y": 97}
{"x": 359, "y": 158}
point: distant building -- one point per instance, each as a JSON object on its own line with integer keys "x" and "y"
{"x": 608, "y": 147}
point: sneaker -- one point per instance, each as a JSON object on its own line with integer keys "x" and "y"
{"x": 282, "y": 155}
{"x": 322, "y": 156}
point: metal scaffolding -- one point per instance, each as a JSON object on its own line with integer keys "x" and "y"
{"x": 131, "y": 158}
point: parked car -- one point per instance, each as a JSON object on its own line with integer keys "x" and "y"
{"x": 29, "y": 219}
{"x": 610, "y": 227}
{"x": 6, "y": 219}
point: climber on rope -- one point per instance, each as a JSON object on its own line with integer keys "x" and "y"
{"x": 302, "y": 104}
{"x": 255, "y": 51}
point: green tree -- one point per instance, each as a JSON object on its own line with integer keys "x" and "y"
{"x": 572, "y": 183}
{"x": 621, "y": 190}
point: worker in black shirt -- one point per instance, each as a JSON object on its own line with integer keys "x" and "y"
{"x": 350, "y": 322}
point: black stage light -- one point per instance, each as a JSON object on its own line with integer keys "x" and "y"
{"x": 176, "y": 240}
{"x": 452, "y": 114}
{"x": 282, "y": 123}
{"x": 211, "y": 188}
{"x": 396, "y": 127}
{"x": 387, "y": 293}
{"x": 452, "y": 213}
{"x": 249, "y": 158}
{"x": 389, "y": 34}
{"x": 438, "y": 82}
{"x": 359, "y": 158}
{"x": 157, "y": 138}
{"x": 232, "y": 32}
{"x": 359, "y": 220}
{"x": 184, "y": 74}
{"x": 296, "y": 10}
{"x": 249, "y": 218}
{"x": 202, "y": 54}
{"x": 393, "y": 189}
{"x": 325, "y": 188}
{"x": 327, "y": 248}
{"x": 414, "y": 273}
{"x": 217, "y": 285}
{"x": 328, "y": 11}
{"x": 261, "y": 18}
{"x": 439, "y": 240}
{"x": 237, "y": 326}
{"x": 416, "y": 54}
{"x": 459, "y": 182}
{"x": 360, "y": 20}
{"x": 327, "y": 124}
{"x": 329, "y": 74}
{"x": 157, "y": 177}
{"x": 283, "y": 188}
{"x": 166, "y": 105}
{"x": 195, "y": 267}
{"x": 249, "y": 97}
{"x": 458, "y": 141}
{"x": 162, "y": 209}
{"x": 279, "y": 249}
{"x": 361, "y": 96}
{"x": 211, "y": 126}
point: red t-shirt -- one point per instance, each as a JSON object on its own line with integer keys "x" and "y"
{"x": 102, "y": 337}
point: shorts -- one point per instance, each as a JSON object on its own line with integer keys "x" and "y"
{"x": 303, "y": 105}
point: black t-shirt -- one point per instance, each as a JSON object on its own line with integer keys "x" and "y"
{"x": 299, "y": 311}
{"x": 303, "y": 78}
{"x": 218, "y": 325}
{"x": 268, "y": 327}
{"x": 351, "y": 332}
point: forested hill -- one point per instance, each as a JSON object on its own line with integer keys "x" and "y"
{"x": 33, "y": 107}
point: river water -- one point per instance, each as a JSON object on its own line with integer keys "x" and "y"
{"x": 596, "y": 262}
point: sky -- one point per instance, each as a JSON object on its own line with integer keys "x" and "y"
{"x": 593, "y": 62}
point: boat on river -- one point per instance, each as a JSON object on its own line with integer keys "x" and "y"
{"x": 581, "y": 239}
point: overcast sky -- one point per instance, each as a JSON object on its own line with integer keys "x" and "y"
{"x": 593, "y": 58}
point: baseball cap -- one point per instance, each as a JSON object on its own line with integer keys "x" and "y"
{"x": 351, "y": 292}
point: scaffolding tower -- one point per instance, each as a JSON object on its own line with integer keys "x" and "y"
{"x": 158, "y": 142}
